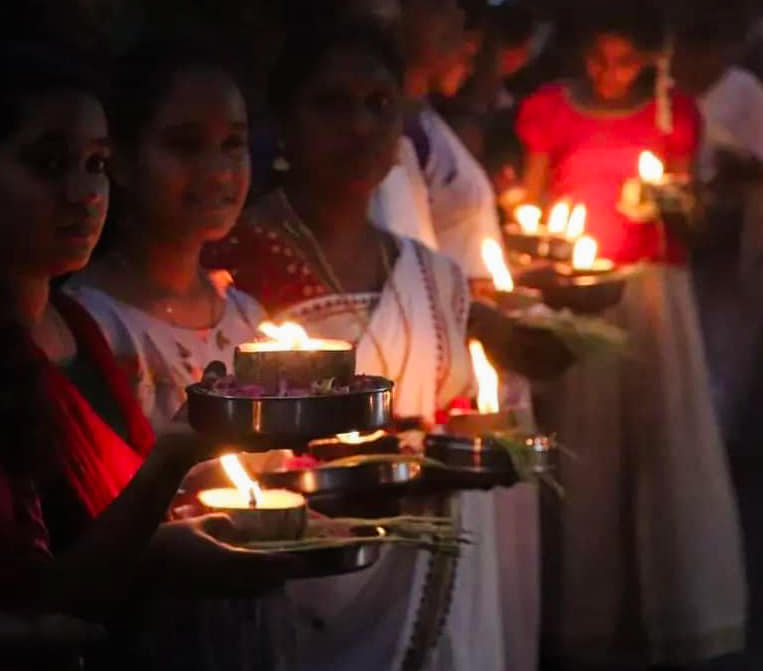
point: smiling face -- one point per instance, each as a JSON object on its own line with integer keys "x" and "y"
{"x": 53, "y": 187}
{"x": 342, "y": 130}
{"x": 189, "y": 175}
{"x": 613, "y": 65}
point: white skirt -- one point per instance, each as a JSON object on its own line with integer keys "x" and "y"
{"x": 650, "y": 560}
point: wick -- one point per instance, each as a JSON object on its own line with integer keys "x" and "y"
{"x": 252, "y": 498}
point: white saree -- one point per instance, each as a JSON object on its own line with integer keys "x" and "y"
{"x": 416, "y": 336}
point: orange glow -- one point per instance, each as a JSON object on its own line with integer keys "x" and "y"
{"x": 291, "y": 336}
{"x": 487, "y": 379}
{"x": 528, "y": 217}
{"x": 492, "y": 256}
{"x": 576, "y": 224}
{"x": 650, "y": 168}
{"x": 247, "y": 488}
{"x": 584, "y": 253}
{"x": 355, "y": 438}
{"x": 557, "y": 220}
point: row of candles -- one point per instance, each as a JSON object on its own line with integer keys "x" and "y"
{"x": 567, "y": 221}
{"x": 564, "y": 220}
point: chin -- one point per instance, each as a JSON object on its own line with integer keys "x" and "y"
{"x": 69, "y": 264}
{"x": 216, "y": 230}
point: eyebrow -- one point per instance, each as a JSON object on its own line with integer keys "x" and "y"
{"x": 61, "y": 137}
{"x": 193, "y": 125}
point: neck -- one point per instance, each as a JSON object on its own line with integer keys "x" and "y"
{"x": 30, "y": 293}
{"x": 172, "y": 266}
{"x": 330, "y": 219}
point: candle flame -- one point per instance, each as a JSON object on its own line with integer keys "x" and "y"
{"x": 576, "y": 224}
{"x": 240, "y": 478}
{"x": 557, "y": 220}
{"x": 584, "y": 253}
{"x": 529, "y": 217}
{"x": 650, "y": 168}
{"x": 289, "y": 334}
{"x": 355, "y": 438}
{"x": 487, "y": 379}
{"x": 492, "y": 256}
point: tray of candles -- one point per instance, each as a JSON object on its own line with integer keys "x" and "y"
{"x": 529, "y": 236}
{"x": 488, "y": 461}
{"x": 588, "y": 290}
{"x": 293, "y": 389}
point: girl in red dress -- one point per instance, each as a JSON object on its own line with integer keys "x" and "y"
{"x": 649, "y": 492}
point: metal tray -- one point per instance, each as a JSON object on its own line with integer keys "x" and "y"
{"x": 321, "y": 562}
{"x": 233, "y": 418}
{"x": 586, "y": 294}
{"x": 343, "y": 479}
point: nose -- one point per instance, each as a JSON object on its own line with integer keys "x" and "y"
{"x": 85, "y": 188}
{"x": 218, "y": 168}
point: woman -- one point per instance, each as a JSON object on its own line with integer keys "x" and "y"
{"x": 310, "y": 254}
{"x": 84, "y": 488}
{"x": 181, "y": 168}
{"x": 649, "y": 492}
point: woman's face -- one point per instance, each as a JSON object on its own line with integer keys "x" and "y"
{"x": 189, "y": 175}
{"x": 613, "y": 64}
{"x": 342, "y": 131}
{"x": 54, "y": 191}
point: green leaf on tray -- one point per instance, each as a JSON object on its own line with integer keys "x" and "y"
{"x": 583, "y": 335}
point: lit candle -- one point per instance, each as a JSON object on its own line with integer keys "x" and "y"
{"x": 558, "y": 218}
{"x": 577, "y": 221}
{"x": 651, "y": 169}
{"x": 262, "y": 514}
{"x": 528, "y": 217}
{"x": 584, "y": 253}
{"x": 488, "y": 417}
{"x": 492, "y": 256}
{"x": 291, "y": 358}
{"x": 584, "y": 259}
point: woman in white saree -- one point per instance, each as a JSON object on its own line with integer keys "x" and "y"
{"x": 308, "y": 253}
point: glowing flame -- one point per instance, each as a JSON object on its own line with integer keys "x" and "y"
{"x": 492, "y": 256}
{"x": 291, "y": 336}
{"x": 650, "y": 168}
{"x": 355, "y": 438}
{"x": 240, "y": 478}
{"x": 557, "y": 220}
{"x": 576, "y": 224}
{"x": 584, "y": 253}
{"x": 529, "y": 217}
{"x": 487, "y": 379}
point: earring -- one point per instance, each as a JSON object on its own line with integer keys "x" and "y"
{"x": 280, "y": 162}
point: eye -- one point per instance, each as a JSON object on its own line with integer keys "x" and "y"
{"x": 183, "y": 144}
{"x": 380, "y": 103}
{"x": 97, "y": 164}
{"x": 51, "y": 165}
{"x": 236, "y": 143}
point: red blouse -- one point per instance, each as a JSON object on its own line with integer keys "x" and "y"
{"x": 592, "y": 156}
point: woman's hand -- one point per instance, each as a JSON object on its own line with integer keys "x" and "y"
{"x": 199, "y": 556}
{"x": 534, "y": 353}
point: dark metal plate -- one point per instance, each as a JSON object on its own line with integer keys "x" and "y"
{"x": 237, "y": 419}
{"x": 345, "y": 479}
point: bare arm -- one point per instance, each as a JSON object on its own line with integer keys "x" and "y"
{"x": 536, "y": 177}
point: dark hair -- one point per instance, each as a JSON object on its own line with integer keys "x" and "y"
{"x": 307, "y": 45}
{"x": 32, "y": 69}
{"x": 511, "y": 25}
{"x": 641, "y": 21}
{"x": 145, "y": 74}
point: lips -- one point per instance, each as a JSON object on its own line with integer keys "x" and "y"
{"x": 80, "y": 230}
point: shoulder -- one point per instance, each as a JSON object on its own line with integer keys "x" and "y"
{"x": 114, "y": 318}
{"x": 248, "y": 307}
{"x": 547, "y": 98}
